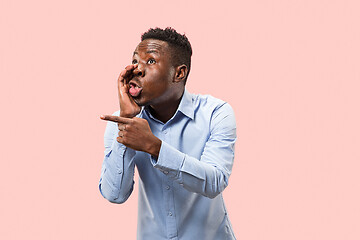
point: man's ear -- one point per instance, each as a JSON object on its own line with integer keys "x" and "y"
{"x": 181, "y": 73}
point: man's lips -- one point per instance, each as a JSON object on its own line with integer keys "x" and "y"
{"x": 134, "y": 89}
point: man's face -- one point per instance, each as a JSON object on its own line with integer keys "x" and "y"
{"x": 153, "y": 78}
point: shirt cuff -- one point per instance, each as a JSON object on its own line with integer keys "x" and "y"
{"x": 169, "y": 160}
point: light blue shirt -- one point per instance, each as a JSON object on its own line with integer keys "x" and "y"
{"x": 180, "y": 191}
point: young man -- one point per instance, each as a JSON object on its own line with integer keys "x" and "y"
{"x": 182, "y": 145}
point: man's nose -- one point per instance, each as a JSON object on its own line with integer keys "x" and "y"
{"x": 139, "y": 71}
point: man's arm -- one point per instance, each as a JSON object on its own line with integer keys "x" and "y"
{"x": 208, "y": 175}
{"x": 117, "y": 173}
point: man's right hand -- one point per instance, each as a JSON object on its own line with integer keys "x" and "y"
{"x": 128, "y": 107}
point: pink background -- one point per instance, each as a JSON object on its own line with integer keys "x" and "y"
{"x": 289, "y": 68}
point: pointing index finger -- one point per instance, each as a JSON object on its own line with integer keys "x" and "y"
{"x": 115, "y": 119}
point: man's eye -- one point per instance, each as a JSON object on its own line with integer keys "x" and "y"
{"x": 134, "y": 61}
{"x": 151, "y": 61}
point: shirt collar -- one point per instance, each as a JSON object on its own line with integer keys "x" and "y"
{"x": 186, "y": 105}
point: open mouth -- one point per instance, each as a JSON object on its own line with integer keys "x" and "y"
{"x": 134, "y": 89}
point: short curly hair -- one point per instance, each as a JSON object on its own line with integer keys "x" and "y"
{"x": 180, "y": 45}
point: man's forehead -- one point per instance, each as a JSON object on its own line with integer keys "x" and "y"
{"x": 151, "y": 45}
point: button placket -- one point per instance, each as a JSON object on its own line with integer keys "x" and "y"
{"x": 169, "y": 208}
{"x": 168, "y": 193}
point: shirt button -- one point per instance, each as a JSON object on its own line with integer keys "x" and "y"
{"x": 120, "y": 172}
{"x": 167, "y": 187}
{"x": 165, "y": 131}
{"x": 170, "y": 214}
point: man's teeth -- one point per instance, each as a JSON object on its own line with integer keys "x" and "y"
{"x": 134, "y": 86}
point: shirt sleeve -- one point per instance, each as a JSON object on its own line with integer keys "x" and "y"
{"x": 208, "y": 175}
{"x": 117, "y": 172}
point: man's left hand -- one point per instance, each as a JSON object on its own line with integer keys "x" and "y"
{"x": 135, "y": 133}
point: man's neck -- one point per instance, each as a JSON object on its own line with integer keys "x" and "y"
{"x": 164, "y": 112}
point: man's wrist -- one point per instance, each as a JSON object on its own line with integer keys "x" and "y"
{"x": 154, "y": 148}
